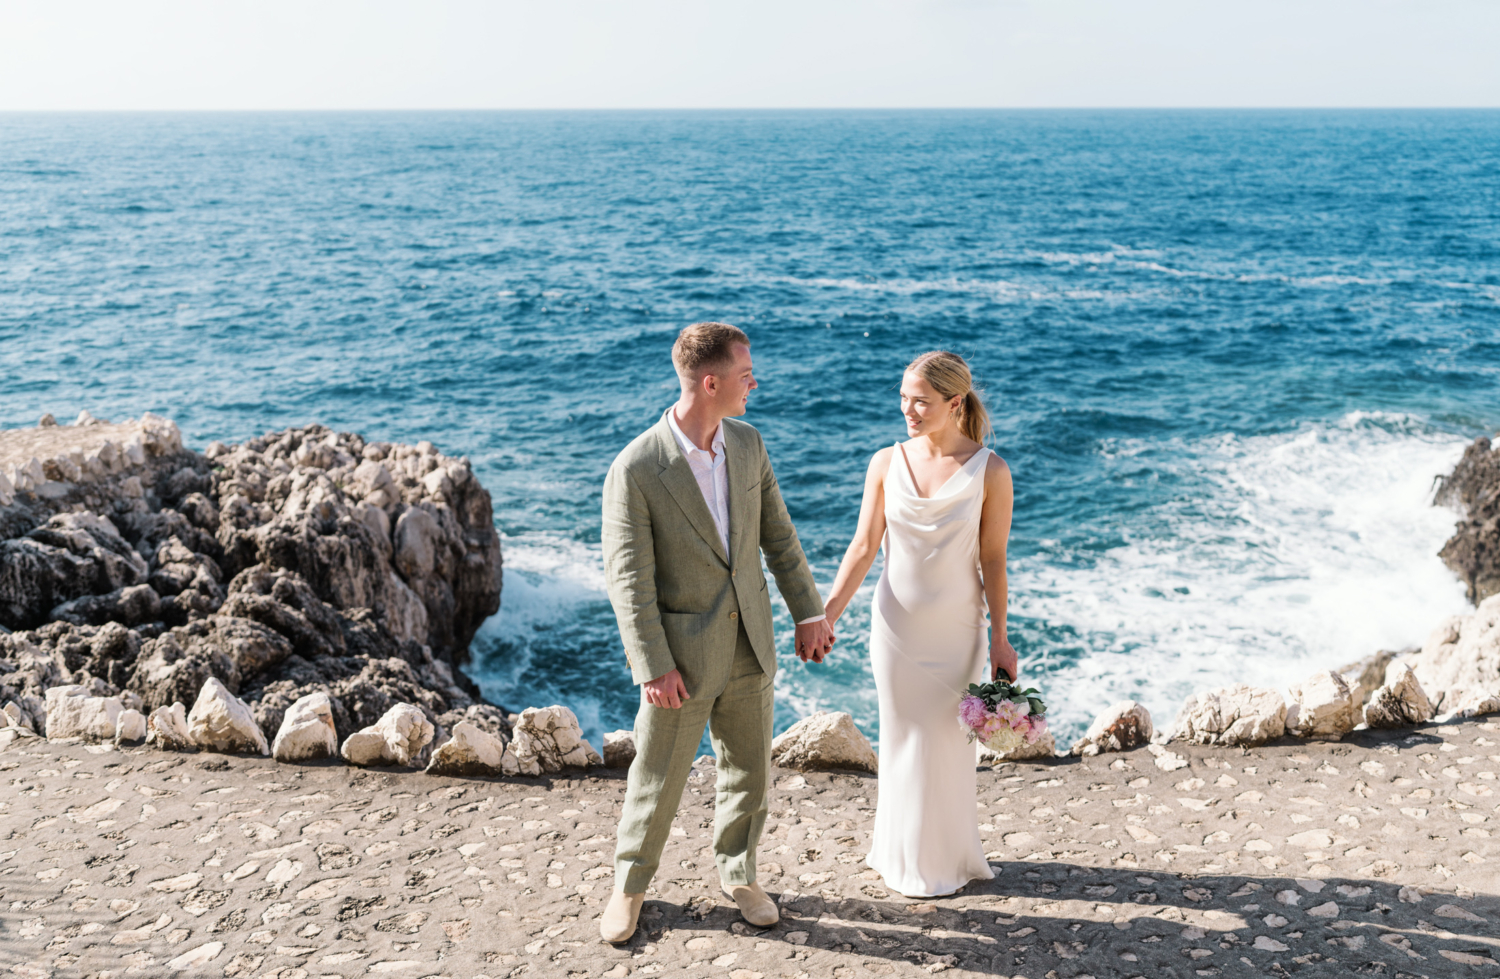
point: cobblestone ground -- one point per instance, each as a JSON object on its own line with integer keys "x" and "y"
{"x": 1374, "y": 856}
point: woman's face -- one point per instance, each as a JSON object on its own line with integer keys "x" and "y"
{"x": 926, "y": 411}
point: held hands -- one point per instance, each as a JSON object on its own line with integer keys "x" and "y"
{"x": 667, "y": 691}
{"x": 815, "y": 640}
{"x": 1003, "y": 659}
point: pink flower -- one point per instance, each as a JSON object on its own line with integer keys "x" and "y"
{"x": 972, "y": 712}
{"x": 1035, "y": 728}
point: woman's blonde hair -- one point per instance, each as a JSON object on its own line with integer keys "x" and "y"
{"x": 949, "y": 375}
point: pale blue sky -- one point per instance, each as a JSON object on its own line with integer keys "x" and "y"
{"x": 372, "y": 54}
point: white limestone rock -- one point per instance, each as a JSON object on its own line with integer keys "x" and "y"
{"x": 17, "y": 716}
{"x": 307, "y": 730}
{"x": 1044, "y": 747}
{"x": 220, "y": 721}
{"x": 1238, "y": 714}
{"x": 1323, "y": 706}
{"x": 131, "y": 726}
{"x": 1400, "y": 702}
{"x": 167, "y": 728}
{"x": 619, "y": 749}
{"x": 72, "y": 713}
{"x": 822, "y": 741}
{"x": 11, "y": 727}
{"x": 1474, "y": 704}
{"x": 471, "y": 751}
{"x": 396, "y": 739}
{"x": 1122, "y": 726}
{"x": 1461, "y": 659}
{"x": 549, "y": 739}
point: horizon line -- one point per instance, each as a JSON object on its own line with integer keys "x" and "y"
{"x": 733, "y": 108}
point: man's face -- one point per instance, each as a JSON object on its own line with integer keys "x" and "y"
{"x": 731, "y": 386}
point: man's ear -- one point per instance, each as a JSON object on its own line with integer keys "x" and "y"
{"x": 709, "y": 383}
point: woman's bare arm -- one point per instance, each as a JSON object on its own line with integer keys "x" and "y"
{"x": 994, "y": 535}
{"x": 867, "y": 537}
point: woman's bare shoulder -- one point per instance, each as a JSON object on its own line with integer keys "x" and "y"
{"x": 996, "y": 472}
{"x": 880, "y": 461}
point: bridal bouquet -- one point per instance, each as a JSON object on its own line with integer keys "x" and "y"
{"x": 1002, "y": 715}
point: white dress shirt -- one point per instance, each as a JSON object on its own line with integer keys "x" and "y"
{"x": 713, "y": 480}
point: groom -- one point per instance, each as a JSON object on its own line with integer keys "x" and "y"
{"x": 689, "y": 507}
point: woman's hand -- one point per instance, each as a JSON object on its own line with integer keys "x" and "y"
{"x": 1003, "y": 658}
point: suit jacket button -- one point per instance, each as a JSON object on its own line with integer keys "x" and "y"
{"x": 734, "y": 615}
{"x": 734, "y": 574}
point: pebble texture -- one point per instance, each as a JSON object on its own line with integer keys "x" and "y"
{"x": 1375, "y": 856}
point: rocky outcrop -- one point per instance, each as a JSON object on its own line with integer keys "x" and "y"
{"x": 825, "y": 741}
{"x": 1322, "y": 706}
{"x": 299, "y": 562}
{"x": 1365, "y": 676}
{"x": 1400, "y": 701}
{"x": 1120, "y": 727}
{"x": 1234, "y": 715}
{"x": 1473, "y": 489}
{"x": 1460, "y": 662}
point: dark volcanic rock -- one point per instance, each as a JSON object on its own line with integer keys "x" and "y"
{"x": 299, "y": 561}
{"x": 1473, "y": 488}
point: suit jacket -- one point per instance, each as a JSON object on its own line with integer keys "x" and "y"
{"x": 679, "y": 599}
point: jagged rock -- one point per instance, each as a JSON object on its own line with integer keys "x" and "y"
{"x": 271, "y": 566}
{"x": 549, "y": 739}
{"x": 1460, "y": 662}
{"x": 73, "y": 713}
{"x": 131, "y": 726}
{"x": 1365, "y": 676}
{"x": 1167, "y": 761}
{"x": 307, "y": 730}
{"x": 1120, "y": 727}
{"x": 68, "y": 557}
{"x": 1474, "y": 704}
{"x": 220, "y": 721}
{"x": 1400, "y": 702}
{"x": 1473, "y": 488}
{"x": 824, "y": 741}
{"x": 12, "y": 726}
{"x": 132, "y": 606}
{"x": 1043, "y": 747}
{"x": 167, "y": 728}
{"x": 619, "y": 749}
{"x": 469, "y": 752}
{"x": 1234, "y": 715}
{"x": 396, "y": 739}
{"x": 16, "y": 716}
{"x": 1322, "y": 706}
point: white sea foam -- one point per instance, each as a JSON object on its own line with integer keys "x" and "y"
{"x": 1302, "y": 551}
{"x": 1281, "y": 554}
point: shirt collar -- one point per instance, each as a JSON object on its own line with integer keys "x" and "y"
{"x": 688, "y": 448}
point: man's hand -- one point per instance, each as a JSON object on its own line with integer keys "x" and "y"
{"x": 815, "y": 640}
{"x": 666, "y": 691}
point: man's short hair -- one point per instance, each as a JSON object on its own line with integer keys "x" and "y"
{"x": 705, "y": 347}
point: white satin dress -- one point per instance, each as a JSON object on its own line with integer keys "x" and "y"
{"x": 928, "y": 642}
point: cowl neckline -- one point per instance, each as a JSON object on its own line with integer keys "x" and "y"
{"x": 909, "y": 489}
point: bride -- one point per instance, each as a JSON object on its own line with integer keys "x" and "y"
{"x": 941, "y": 505}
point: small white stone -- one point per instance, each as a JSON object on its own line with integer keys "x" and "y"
{"x": 307, "y": 730}
{"x": 220, "y": 721}
{"x": 396, "y": 739}
{"x": 131, "y": 726}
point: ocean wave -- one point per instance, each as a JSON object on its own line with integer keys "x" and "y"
{"x": 1295, "y": 552}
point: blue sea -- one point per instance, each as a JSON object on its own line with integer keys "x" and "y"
{"x": 1227, "y": 352}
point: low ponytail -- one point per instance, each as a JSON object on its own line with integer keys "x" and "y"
{"x": 949, "y": 375}
{"x": 973, "y": 418}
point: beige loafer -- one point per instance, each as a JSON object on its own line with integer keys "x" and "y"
{"x": 755, "y": 905}
{"x": 617, "y": 923}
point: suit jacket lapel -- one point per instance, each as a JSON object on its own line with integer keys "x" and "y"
{"x": 737, "y": 459}
{"x": 677, "y": 476}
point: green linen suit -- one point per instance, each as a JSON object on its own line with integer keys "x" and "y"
{"x": 683, "y": 604}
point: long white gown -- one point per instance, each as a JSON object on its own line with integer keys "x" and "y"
{"x": 928, "y": 642}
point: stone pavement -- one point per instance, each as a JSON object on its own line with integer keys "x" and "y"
{"x": 1376, "y": 856}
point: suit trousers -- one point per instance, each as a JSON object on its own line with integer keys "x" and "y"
{"x": 737, "y": 706}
